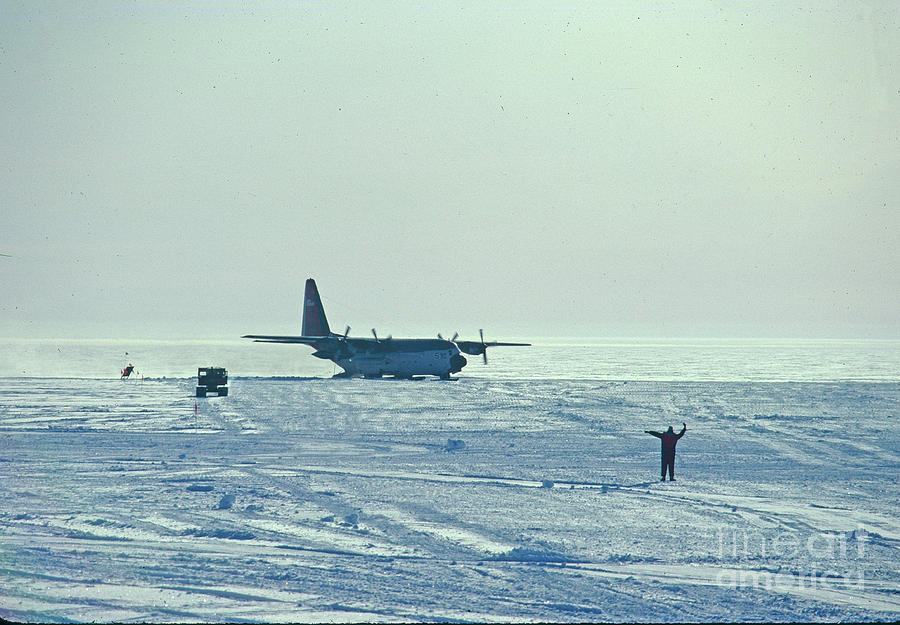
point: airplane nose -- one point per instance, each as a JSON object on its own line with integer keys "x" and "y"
{"x": 457, "y": 362}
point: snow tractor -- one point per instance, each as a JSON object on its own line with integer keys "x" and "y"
{"x": 212, "y": 380}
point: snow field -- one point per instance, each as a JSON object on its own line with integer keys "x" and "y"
{"x": 348, "y": 505}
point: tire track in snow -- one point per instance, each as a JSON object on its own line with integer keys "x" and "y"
{"x": 396, "y": 528}
{"x": 866, "y": 594}
{"x": 804, "y": 517}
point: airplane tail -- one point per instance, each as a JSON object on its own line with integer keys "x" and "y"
{"x": 314, "y": 321}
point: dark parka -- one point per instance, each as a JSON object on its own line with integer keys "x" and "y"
{"x": 668, "y": 439}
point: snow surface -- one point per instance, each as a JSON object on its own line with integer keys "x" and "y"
{"x": 351, "y": 500}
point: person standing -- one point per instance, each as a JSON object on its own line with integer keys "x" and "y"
{"x": 668, "y": 439}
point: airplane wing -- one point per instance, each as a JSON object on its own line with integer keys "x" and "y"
{"x": 474, "y": 348}
{"x": 306, "y": 340}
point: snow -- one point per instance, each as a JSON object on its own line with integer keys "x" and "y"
{"x": 353, "y": 500}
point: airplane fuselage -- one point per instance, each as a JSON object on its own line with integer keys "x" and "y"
{"x": 402, "y": 358}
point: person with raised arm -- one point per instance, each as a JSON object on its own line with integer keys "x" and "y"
{"x": 669, "y": 439}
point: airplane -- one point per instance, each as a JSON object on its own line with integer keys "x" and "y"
{"x": 378, "y": 357}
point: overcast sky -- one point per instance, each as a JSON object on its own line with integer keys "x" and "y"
{"x": 549, "y": 169}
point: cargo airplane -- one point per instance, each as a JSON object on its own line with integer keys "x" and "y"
{"x": 377, "y": 357}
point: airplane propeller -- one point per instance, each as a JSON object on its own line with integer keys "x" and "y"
{"x": 479, "y": 348}
{"x": 475, "y": 348}
{"x": 378, "y": 340}
{"x": 483, "y": 345}
{"x": 342, "y": 344}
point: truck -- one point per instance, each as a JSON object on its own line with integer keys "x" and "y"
{"x": 212, "y": 380}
